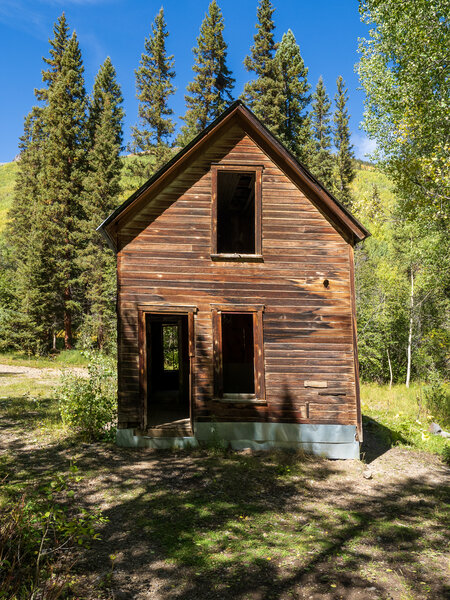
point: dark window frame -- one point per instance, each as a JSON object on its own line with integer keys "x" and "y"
{"x": 259, "y": 397}
{"x": 244, "y": 168}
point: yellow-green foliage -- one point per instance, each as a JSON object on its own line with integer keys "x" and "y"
{"x": 8, "y": 174}
{"x": 403, "y": 412}
{"x": 362, "y": 187}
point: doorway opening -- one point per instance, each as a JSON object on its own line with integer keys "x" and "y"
{"x": 167, "y": 369}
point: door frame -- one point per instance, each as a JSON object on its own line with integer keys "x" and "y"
{"x": 177, "y": 311}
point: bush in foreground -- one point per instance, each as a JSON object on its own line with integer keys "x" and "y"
{"x": 88, "y": 404}
{"x": 38, "y": 534}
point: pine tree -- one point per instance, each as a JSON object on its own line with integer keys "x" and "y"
{"x": 26, "y": 193}
{"x": 154, "y": 86}
{"x": 35, "y": 318}
{"x": 345, "y": 156}
{"x": 32, "y": 321}
{"x": 58, "y": 46}
{"x": 101, "y": 191}
{"x": 295, "y": 130}
{"x": 64, "y": 168}
{"x": 264, "y": 95}
{"x": 322, "y": 163}
{"x": 106, "y": 90}
{"x": 211, "y": 90}
{"x": 38, "y": 303}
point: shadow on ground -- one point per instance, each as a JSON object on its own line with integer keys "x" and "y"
{"x": 378, "y": 439}
{"x": 200, "y": 525}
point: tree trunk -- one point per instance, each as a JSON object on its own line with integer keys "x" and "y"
{"x": 67, "y": 320}
{"x": 390, "y": 368}
{"x": 100, "y": 337}
{"x": 411, "y": 308}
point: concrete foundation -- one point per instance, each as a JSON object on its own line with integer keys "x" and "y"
{"x": 330, "y": 441}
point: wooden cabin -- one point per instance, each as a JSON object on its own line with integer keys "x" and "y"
{"x": 236, "y": 300}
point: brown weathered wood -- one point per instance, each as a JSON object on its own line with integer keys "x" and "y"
{"x": 161, "y": 308}
{"x": 316, "y": 384}
{"x": 306, "y": 333}
{"x": 191, "y": 350}
{"x": 143, "y": 368}
{"x": 355, "y": 343}
{"x": 217, "y": 353}
{"x": 260, "y": 388}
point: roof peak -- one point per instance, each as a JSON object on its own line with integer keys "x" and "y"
{"x": 347, "y": 221}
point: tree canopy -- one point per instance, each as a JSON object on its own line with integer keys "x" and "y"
{"x": 295, "y": 129}
{"x": 264, "y": 95}
{"x": 211, "y": 91}
{"x": 404, "y": 69}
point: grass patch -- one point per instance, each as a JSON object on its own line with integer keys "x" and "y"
{"x": 66, "y": 358}
{"x": 403, "y": 417}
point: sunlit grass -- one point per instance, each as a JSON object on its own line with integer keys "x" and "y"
{"x": 69, "y": 358}
{"x": 399, "y": 398}
{"x": 403, "y": 411}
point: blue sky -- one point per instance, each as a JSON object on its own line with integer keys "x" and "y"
{"x": 326, "y": 30}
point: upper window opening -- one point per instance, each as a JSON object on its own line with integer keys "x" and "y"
{"x": 235, "y": 212}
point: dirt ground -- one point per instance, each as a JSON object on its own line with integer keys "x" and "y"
{"x": 199, "y": 525}
{"x": 9, "y": 374}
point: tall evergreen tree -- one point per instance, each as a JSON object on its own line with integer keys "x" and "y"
{"x": 295, "y": 130}
{"x": 58, "y": 46}
{"x": 322, "y": 163}
{"x": 26, "y": 193}
{"x": 154, "y": 86}
{"x": 211, "y": 91}
{"x": 29, "y": 232}
{"x": 264, "y": 95}
{"x": 101, "y": 191}
{"x": 63, "y": 173}
{"x": 345, "y": 156}
{"x": 32, "y": 141}
{"x": 32, "y": 321}
{"x": 106, "y": 90}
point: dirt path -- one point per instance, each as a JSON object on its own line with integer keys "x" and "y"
{"x": 10, "y": 373}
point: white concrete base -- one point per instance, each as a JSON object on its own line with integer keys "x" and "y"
{"x": 330, "y": 441}
{"x": 126, "y": 439}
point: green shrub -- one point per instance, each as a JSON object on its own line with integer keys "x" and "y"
{"x": 37, "y": 532}
{"x": 88, "y": 404}
{"x": 437, "y": 398}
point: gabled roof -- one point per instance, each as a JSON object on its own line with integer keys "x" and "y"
{"x": 343, "y": 221}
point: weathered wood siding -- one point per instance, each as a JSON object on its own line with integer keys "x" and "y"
{"x": 164, "y": 257}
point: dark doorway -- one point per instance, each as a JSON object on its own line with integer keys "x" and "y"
{"x": 167, "y": 369}
{"x": 238, "y": 353}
